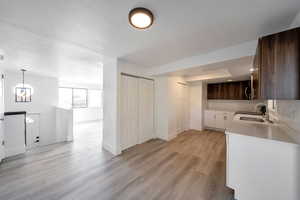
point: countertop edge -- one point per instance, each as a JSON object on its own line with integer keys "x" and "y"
{"x": 228, "y": 132}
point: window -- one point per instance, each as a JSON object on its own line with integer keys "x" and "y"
{"x": 73, "y": 97}
{"x": 80, "y": 98}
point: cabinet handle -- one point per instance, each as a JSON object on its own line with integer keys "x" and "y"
{"x": 246, "y": 94}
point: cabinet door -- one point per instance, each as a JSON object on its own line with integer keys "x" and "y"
{"x": 220, "y": 122}
{"x": 287, "y": 65}
{"x": 267, "y": 70}
{"x": 213, "y": 91}
{"x": 228, "y": 117}
{"x": 279, "y": 70}
{"x": 210, "y": 118}
{"x": 255, "y": 82}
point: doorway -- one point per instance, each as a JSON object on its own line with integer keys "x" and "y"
{"x": 86, "y": 104}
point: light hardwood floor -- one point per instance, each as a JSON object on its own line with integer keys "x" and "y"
{"x": 192, "y": 166}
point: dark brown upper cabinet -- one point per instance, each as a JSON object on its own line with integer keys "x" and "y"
{"x": 240, "y": 90}
{"x": 277, "y": 66}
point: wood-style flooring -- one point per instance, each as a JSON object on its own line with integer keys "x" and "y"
{"x": 191, "y": 166}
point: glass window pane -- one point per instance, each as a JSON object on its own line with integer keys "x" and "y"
{"x": 79, "y": 98}
{"x": 65, "y": 97}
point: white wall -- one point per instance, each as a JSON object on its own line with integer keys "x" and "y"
{"x": 171, "y": 107}
{"x": 111, "y": 137}
{"x": 177, "y": 97}
{"x": 161, "y": 108}
{"x": 197, "y": 105}
{"x": 44, "y": 101}
{"x": 87, "y": 114}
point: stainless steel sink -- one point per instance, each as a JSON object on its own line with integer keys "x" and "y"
{"x": 252, "y": 119}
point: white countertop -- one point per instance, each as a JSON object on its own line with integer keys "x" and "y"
{"x": 266, "y": 131}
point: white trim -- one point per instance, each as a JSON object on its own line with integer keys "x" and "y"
{"x": 109, "y": 148}
{"x": 14, "y": 151}
{"x": 172, "y": 136}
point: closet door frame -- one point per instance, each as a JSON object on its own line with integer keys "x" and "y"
{"x": 123, "y": 126}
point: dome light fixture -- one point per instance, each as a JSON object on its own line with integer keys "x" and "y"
{"x": 140, "y": 18}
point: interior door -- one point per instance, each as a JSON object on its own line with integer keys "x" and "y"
{"x": 146, "y": 110}
{"x": 129, "y": 112}
{"x": 2, "y": 152}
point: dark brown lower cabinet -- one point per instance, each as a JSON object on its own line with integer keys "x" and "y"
{"x": 240, "y": 90}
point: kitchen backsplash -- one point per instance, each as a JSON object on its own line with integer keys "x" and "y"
{"x": 232, "y": 105}
{"x": 288, "y": 111}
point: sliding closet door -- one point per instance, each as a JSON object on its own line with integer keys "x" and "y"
{"x": 146, "y": 110}
{"x": 129, "y": 112}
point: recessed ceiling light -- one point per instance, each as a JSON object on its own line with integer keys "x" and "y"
{"x": 229, "y": 80}
{"x": 141, "y": 18}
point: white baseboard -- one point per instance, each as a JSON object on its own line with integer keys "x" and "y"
{"x": 109, "y": 148}
{"x": 171, "y": 137}
{"x": 14, "y": 151}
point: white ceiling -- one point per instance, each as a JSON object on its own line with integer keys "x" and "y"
{"x": 235, "y": 69}
{"x": 90, "y": 28}
{"x": 43, "y": 56}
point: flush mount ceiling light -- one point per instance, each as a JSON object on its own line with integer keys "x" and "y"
{"x": 141, "y": 18}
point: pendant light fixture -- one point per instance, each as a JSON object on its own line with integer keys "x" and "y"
{"x": 23, "y": 92}
{"x": 141, "y": 18}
